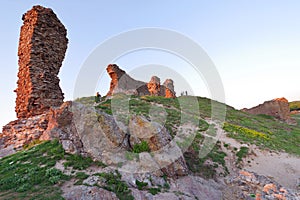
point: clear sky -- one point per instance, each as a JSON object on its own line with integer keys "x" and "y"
{"x": 254, "y": 44}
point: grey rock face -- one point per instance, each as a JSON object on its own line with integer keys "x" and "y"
{"x": 83, "y": 192}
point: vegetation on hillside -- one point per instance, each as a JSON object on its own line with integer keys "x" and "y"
{"x": 30, "y": 174}
{"x": 262, "y": 130}
{"x": 295, "y": 105}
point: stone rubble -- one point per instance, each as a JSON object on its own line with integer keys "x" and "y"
{"x": 249, "y": 185}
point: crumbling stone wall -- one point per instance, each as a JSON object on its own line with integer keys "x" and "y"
{"x": 154, "y": 86}
{"x": 169, "y": 89}
{"x": 121, "y": 82}
{"x": 42, "y": 48}
{"x": 278, "y": 108}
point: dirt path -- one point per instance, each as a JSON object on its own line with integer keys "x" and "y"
{"x": 284, "y": 168}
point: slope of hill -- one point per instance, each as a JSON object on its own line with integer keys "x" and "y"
{"x": 262, "y": 130}
{"x": 47, "y": 172}
{"x": 295, "y": 105}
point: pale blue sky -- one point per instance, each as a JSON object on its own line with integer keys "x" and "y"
{"x": 254, "y": 44}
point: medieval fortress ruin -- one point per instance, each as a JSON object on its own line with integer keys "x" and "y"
{"x": 42, "y": 48}
{"x": 41, "y": 111}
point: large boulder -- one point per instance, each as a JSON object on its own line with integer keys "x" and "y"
{"x": 166, "y": 155}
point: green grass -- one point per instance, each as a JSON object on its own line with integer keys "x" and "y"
{"x": 243, "y": 152}
{"x": 140, "y": 184}
{"x": 154, "y": 191}
{"x": 86, "y": 100}
{"x": 197, "y": 165}
{"x": 80, "y": 176}
{"x": 242, "y": 132}
{"x": 295, "y": 105}
{"x": 78, "y": 162}
{"x": 141, "y": 147}
{"x": 266, "y": 132}
{"x": 30, "y": 174}
{"x": 115, "y": 184}
{"x": 297, "y": 118}
{"x": 262, "y": 130}
{"x": 173, "y": 107}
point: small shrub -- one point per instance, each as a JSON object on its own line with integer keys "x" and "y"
{"x": 154, "y": 191}
{"x": 141, "y": 147}
{"x": 115, "y": 184}
{"x": 140, "y": 184}
{"x": 78, "y": 162}
{"x": 226, "y": 145}
{"x": 166, "y": 185}
{"x": 100, "y": 164}
{"x": 80, "y": 176}
{"x": 54, "y": 175}
{"x": 242, "y": 153}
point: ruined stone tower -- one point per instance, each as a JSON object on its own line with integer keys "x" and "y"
{"x": 121, "y": 82}
{"x": 42, "y": 48}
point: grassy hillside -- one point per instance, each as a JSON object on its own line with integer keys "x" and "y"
{"x": 295, "y": 105}
{"x": 262, "y": 130}
{"x": 30, "y": 174}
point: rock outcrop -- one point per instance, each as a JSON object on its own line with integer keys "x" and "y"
{"x": 166, "y": 154}
{"x": 61, "y": 126}
{"x": 121, "y": 82}
{"x": 42, "y": 48}
{"x": 98, "y": 135}
{"x": 278, "y": 108}
{"x": 81, "y": 192}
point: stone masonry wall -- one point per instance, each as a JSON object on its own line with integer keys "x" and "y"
{"x": 278, "y": 108}
{"x": 42, "y": 48}
{"x": 121, "y": 82}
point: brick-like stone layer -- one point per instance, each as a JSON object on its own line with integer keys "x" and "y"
{"x": 41, "y": 51}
